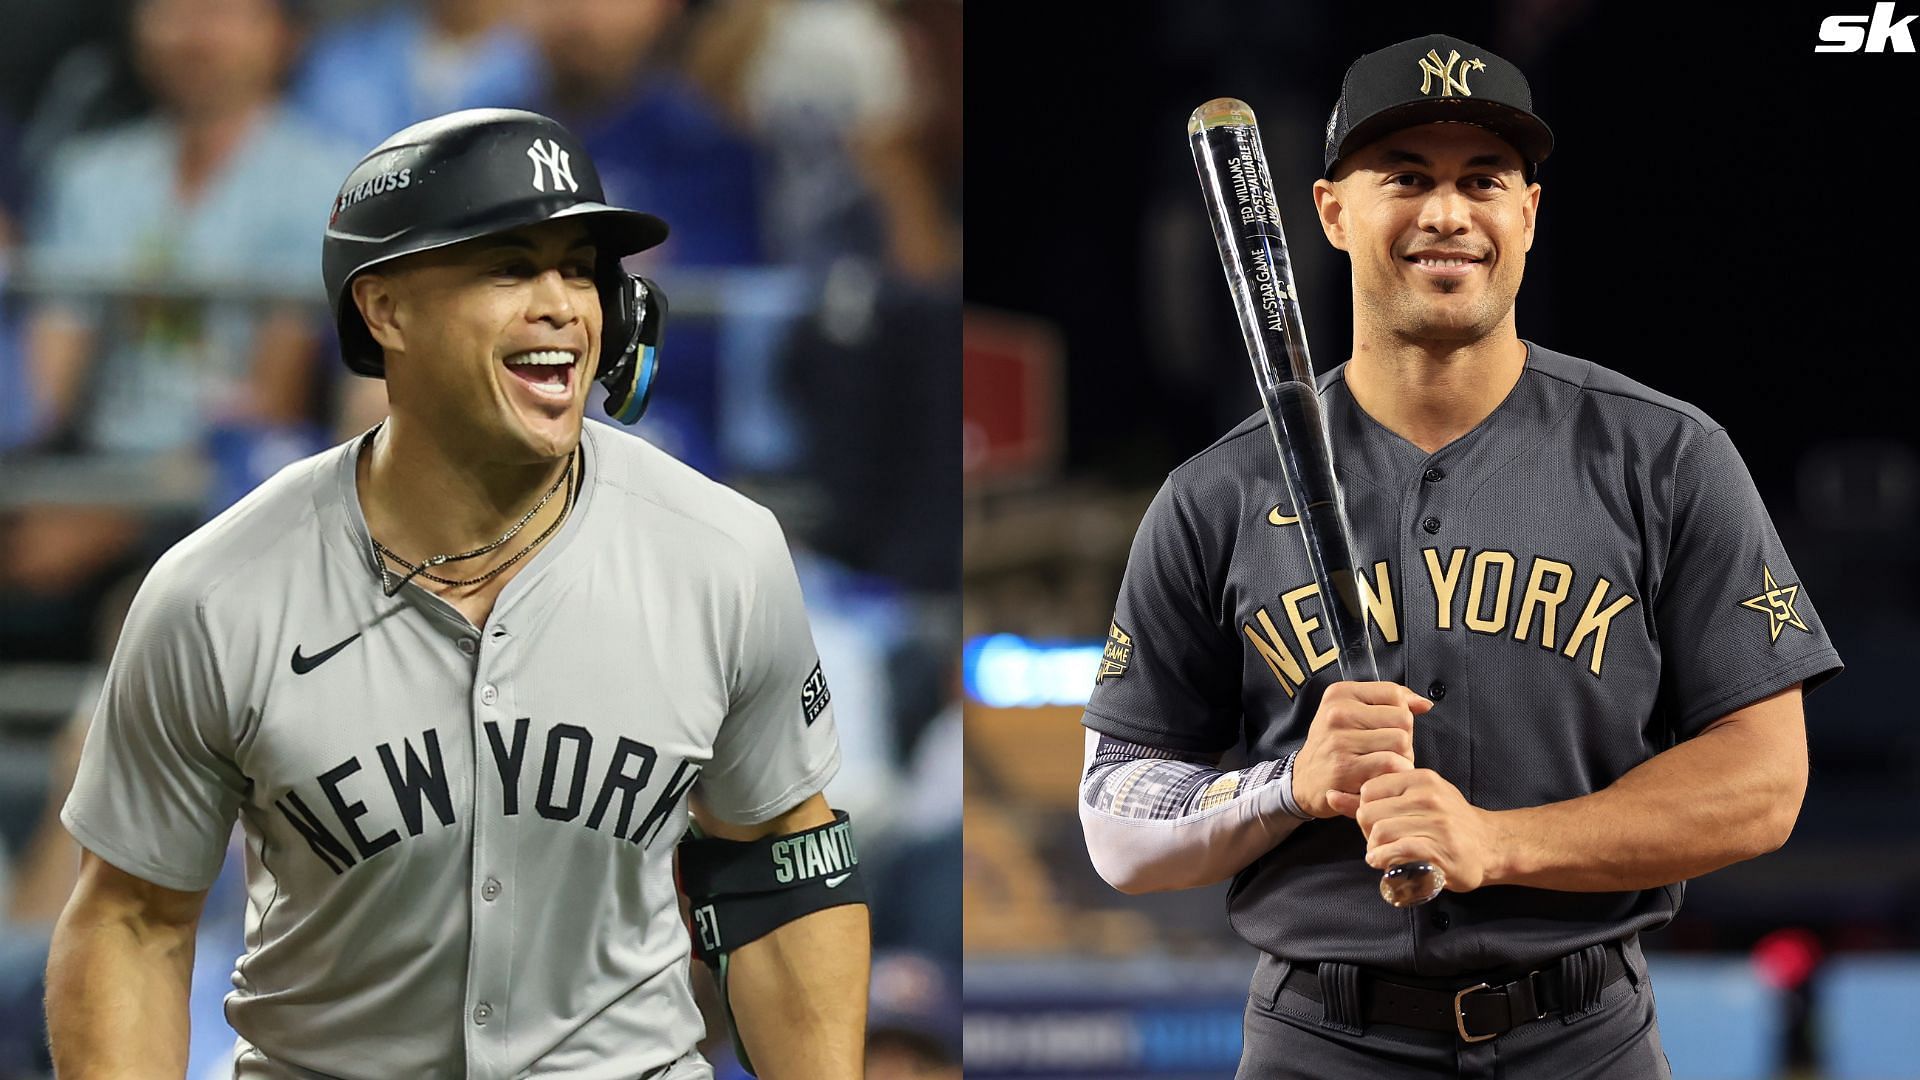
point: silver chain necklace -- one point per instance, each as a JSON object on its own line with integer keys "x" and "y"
{"x": 392, "y": 588}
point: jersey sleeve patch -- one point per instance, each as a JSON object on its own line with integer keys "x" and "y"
{"x": 1113, "y": 659}
{"x": 1776, "y": 602}
{"x": 814, "y": 695}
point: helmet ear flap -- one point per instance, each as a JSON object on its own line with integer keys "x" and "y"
{"x": 357, "y": 347}
{"x": 634, "y": 323}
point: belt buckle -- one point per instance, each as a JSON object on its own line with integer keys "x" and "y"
{"x": 1460, "y": 1018}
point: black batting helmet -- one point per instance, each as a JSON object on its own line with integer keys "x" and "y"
{"x": 482, "y": 171}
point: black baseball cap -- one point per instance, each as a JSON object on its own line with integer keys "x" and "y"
{"x": 1429, "y": 79}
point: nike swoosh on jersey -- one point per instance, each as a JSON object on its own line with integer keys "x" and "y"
{"x": 1274, "y": 518}
{"x": 304, "y": 664}
{"x": 834, "y": 882}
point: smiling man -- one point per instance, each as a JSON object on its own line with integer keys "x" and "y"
{"x": 463, "y": 681}
{"x": 1608, "y": 642}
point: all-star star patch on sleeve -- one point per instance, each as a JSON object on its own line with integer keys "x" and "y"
{"x": 157, "y": 789}
{"x": 777, "y": 745}
{"x": 1169, "y": 675}
{"x": 1735, "y": 621}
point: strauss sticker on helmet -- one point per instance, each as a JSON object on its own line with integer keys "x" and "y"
{"x": 378, "y": 185}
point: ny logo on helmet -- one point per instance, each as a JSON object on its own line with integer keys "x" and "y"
{"x": 552, "y": 165}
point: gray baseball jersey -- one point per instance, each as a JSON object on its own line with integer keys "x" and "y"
{"x": 1582, "y": 580}
{"x": 459, "y": 842}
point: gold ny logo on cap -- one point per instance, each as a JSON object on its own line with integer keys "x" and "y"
{"x": 1431, "y": 67}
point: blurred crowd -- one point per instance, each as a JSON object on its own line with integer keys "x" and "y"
{"x": 166, "y": 167}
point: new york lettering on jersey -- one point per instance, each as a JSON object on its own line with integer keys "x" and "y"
{"x": 1296, "y": 645}
{"x": 412, "y": 773}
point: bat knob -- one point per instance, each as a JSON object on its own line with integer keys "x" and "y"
{"x": 1411, "y": 884}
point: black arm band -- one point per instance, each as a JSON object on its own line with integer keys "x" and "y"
{"x": 741, "y": 890}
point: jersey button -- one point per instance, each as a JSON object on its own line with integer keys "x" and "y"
{"x": 1433, "y": 476}
{"x": 488, "y": 695}
{"x": 467, "y": 646}
{"x": 1437, "y": 690}
{"x": 1432, "y": 524}
{"x": 482, "y": 1013}
{"x": 491, "y": 889}
{"x": 1440, "y": 919}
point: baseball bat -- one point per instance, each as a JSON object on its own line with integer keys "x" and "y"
{"x": 1225, "y": 140}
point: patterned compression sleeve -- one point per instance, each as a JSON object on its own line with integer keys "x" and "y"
{"x": 1160, "y": 819}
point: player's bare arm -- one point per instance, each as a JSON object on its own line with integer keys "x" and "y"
{"x": 799, "y": 994}
{"x": 118, "y": 973}
{"x": 1728, "y": 794}
{"x": 1156, "y": 820}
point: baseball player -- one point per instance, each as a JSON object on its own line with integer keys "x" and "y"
{"x": 1596, "y": 644}
{"x": 458, "y": 679}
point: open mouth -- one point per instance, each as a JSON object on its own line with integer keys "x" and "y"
{"x": 548, "y": 373}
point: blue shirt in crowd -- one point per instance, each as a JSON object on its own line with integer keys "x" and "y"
{"x": 368, "y": 78}
{"x": 111, "y": 208}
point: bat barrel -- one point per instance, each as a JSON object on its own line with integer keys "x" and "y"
{"x": 1225, "y": 140}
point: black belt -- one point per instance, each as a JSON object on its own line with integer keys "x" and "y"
{"x": 1477, "y": 1011}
